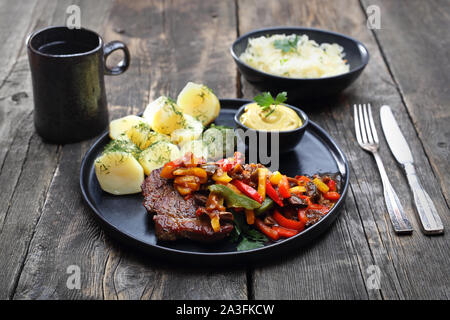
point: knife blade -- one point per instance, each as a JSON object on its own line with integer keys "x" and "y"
{"x": 394, "y": 136}
{"x": 429, "y": 217}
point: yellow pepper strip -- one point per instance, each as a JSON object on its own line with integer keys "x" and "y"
{"x": 215, "y": 223}
{"x": 198, "y": 172}
{"x": 250, "y": 216}
{"x": 220, "y": 201}
{"x": 262, "y": 178}
{"x": 275, "y": 178}
{"x": 297, "y": 189}
{"x": 183, "y": 191}
{"x": 232, "y": 187}
{"x": 167, "y": 171}
{"x": 223, "y": 178}
{"x": 321, "y": 185}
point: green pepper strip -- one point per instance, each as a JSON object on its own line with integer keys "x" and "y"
{"x": 233, "y": 199}
{"x": 265, "y": 206}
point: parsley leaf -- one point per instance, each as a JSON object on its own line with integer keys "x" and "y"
{"x": 266, "y": 101}
{"x": 247, "y": 244}
{"x": 248, "y": 238}
{"x": 287, "y": 45}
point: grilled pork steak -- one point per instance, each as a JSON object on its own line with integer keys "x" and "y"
{"x": 175, "y": 217}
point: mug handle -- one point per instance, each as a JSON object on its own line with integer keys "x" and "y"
{"x": 123, "y": 65}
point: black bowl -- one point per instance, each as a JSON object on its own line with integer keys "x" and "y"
{"x": 288, "y": 139}
{"x": 300, "y": 89}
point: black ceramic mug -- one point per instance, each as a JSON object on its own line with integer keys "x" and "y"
{"x": 67, "y": 69}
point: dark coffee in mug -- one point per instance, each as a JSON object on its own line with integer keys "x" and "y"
{"x": 67, "y": 70}
{"x": 64, "y": 48}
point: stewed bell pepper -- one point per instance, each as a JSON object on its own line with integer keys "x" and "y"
{"x": 221, "y": 177}
{"x": 233, "y": 199}
{"x": 298, "y": 189}
{"x": 283, "y": 188}
{"x": 215, "y": 223}
{"x": 284, "y": 232}
{"x": 169, "y": 168}
{"x": 319, "y": 207}
{"x": 302, "y": 216}
{"x": 332, "y": 195}
{"x": 302, "y": 180}
{"x": 267, "y": 204}
{"x": 321, "y": 185}
{"x": 250, "y": 216}
{"x": 272, "y": 193}
{"x": 268, "y": 231}
{"x": 247, "y": 190}
{"x": 262, "y": 178}
{"x": 288, "y": 223}
{"x": 332, "y": 185}
{"x": 275, "y": 178}
{"x": 198, "y": 172}
{"x": 229, "y": 163}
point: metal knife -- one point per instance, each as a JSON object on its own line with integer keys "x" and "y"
{"x": 431, "y": 222}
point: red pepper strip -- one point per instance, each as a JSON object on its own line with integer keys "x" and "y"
{"x": 247, "y": 190}
{"x": 287, "y": 223}
{"x": 285, "y": 232}
{"x": 332, "y": 195}
{"x": 308, "y": 199}
{"x": 319, "y": 207}
{"x": 225, "y": 164}
{"x": 229, "y": 163}
{"x": 272, "y": 193}
{"x": 302, "y": 216}
{"x": 268, "y": 231}
{"x": 302, "y": 180}
{"x": 332, "y": 185}
{"x": 283, "y": 188}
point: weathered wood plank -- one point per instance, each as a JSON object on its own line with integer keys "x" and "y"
{"x": 417, "y": 53}
{"x": 423, "y": 86}
{"x": 176, "y": 55}
{"x": 27, "y": 164}
{"x": 38, "y": 169}
{"x": 365, "y": 227}
{"x": 155, "y": 31}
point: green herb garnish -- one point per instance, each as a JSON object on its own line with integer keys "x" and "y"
{"x": 287, "y": 45}
{"x": 248, "y": 238}
{"x": 268, "y": 103}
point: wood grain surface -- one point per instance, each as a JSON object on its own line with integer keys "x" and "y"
{"x": 45, "y": 226}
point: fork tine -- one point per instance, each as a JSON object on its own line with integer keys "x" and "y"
{"x": 362, "y": 125}
{"x": 372, "y": 125}
{"x": 366, "y": 122}
{"x": 357, "y": 126}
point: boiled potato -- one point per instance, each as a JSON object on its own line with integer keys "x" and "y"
{"x": 197, "y": 147}
{"x": 122, "y": 144}
{"x": 199, "y": 101}
{"x": 221, "y": 141}
{"x": 164, "y": 115}
{"x": 120, "y": 126}
{"x": 119, "y": 173}
{"x": 157, "y": 155}
{"x": 143, "y": 136}
{"x": 192, "y": 130}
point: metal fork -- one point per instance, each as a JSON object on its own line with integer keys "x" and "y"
{"x": 367, "y": 137}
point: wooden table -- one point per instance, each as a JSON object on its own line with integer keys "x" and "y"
{"x": 45, "y": 226}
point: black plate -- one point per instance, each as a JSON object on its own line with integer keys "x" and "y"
{"x": 304, "y": 89}
{"x": 126, "y": 218}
